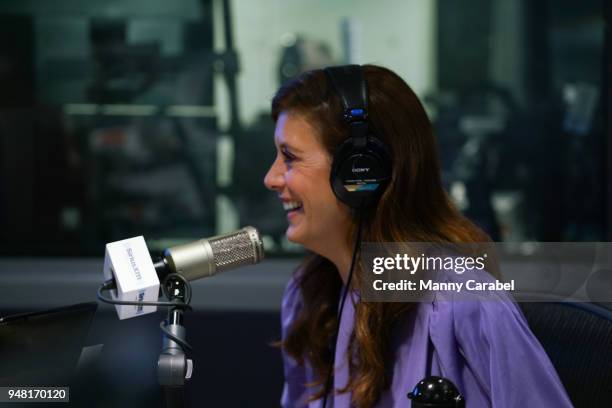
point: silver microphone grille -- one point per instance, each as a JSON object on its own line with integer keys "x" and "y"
{"x": 242, "y": 247}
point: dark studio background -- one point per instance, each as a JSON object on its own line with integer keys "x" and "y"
{"x": 126, "y": 118}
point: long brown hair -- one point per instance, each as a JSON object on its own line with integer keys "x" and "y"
{"x": 413, "y": 208}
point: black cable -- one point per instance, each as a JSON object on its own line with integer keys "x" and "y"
{"x": 110, "y": 284}
{"x": 171, "y": 336}
{"x": 162, "y": 325}
{"x": 346, "y": 290}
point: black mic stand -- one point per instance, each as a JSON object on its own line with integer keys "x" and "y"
{"x": 173, "y": 366}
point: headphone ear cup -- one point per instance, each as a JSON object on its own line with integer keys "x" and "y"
{"x": 359, "y": 175}
{"x": 339, "y": 160}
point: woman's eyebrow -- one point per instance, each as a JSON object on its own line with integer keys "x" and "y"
{"x": 285, "y": 146}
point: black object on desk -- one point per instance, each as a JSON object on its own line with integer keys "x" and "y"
{"x": 43, "y": 348}
{"x": 436, "y": 392}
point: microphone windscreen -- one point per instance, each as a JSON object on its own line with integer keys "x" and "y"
{"x": 243, "y": 247}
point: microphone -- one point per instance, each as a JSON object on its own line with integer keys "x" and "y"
{"x": 207, "y": 257}
{"x": 134, "y": 279}
{"x": 436, "y": 392}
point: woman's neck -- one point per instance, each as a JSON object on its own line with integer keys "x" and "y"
{"x": 342, "y": 260}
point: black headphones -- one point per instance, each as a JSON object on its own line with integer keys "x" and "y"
{"x": 361, "y": 167}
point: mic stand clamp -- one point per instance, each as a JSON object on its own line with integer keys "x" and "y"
{"x": 173, "y": 366}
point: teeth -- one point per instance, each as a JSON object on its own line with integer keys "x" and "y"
{"x": 291, "y": 205}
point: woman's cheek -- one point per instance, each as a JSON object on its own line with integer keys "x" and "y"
{"x": 293, "y": 175}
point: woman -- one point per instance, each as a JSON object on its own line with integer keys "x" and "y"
{"x": 384, "y": 349}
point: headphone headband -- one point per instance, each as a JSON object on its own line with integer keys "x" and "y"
{"x": 350, "y": 85}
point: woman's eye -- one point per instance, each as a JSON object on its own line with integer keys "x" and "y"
{"x": 288, "y": 157}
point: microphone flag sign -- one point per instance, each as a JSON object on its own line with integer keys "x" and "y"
{"x": 128, "y": 261}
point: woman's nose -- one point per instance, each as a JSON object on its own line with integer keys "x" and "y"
{"x": 275, "y": 178}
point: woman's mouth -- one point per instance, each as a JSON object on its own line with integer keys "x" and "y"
{"x": 291, "y": 206}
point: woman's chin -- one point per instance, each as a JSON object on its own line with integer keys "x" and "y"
{"x": 291, "y": 234}
{"x": 294, "y": 235}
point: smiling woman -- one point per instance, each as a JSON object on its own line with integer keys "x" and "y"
{"x": 372, "y": 354}
{"x": 300, "y": 175}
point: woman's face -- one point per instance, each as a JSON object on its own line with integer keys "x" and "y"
{"x": 300, "y": 177}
